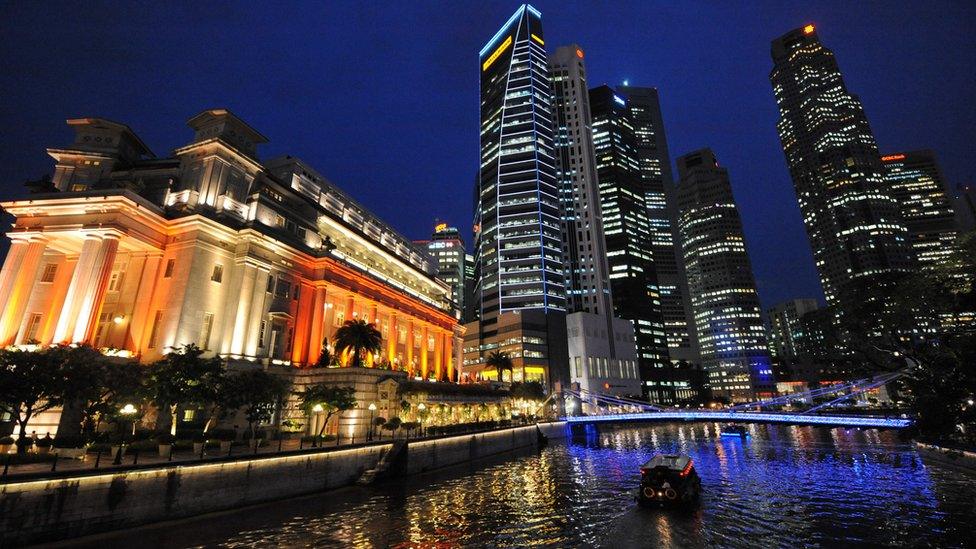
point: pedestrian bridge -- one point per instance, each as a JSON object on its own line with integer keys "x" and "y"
{"x": 867, "y": 422}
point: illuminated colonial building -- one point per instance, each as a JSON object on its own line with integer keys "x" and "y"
{"x": 518, "y": 247}
{"x": 250, "y": 260}
{"x": 852, "y": 219}
{"x": 728, "y": 318}
{"x": 916, "y": 182}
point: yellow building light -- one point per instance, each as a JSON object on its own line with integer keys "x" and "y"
{"x": 808, "y": 29}
{"x": 539, "y": 40}
{"x": 497, "y": 53}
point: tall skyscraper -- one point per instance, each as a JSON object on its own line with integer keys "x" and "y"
{"x": 655, "y": 166}
{"x": 785, "y": 333}
{"x": 964, "y": 203}
{"x": 602, "y": 349}
{"x": 917, "y": 184}
{"x": 446, "y": 249}
{"x": 518, "y": 241}
{"x": 852, "y": 219}
{"x": 627, "y": 229}
{"x": 584, "y": 245}
{"x": 728, "y": 318}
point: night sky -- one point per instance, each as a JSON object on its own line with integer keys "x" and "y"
{"x": 382, "y": 98}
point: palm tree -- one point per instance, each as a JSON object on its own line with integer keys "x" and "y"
{"x": 500, "y": 362}
{"x": 358, "y": 336}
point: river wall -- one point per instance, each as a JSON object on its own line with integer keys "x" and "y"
{"x": 50, "y": 509}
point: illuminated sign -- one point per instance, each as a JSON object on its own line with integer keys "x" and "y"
{"x": 440, "y": 227}
{"x": 808, "y": 29}
{"x": 539, "y": 40}
{"x": 491, "y": 58}
{"x": 891, "y": 157}
{"x": 579, "y": 53}
{"x": 619, "y": 100}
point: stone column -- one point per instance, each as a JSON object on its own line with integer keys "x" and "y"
{"x": 242, "y": 315}
{"x": 20, "y": 283}
{"x": 409, "y": 347}
{"x": 146, "y": 293}
{"x": 303, "y": 325}
{"x": 86, "y": 288}
{"x": 423, "y": 352}
{"x": 256, "y": 313}
{"x": 316, "y": 331}
{"x": 393, "y": 338}
{"x": 438, "y": 354}
{"x": 449, "y": 355}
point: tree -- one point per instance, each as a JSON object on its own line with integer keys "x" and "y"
{"x": 183, "y": 378}
{"x": 328, "y": 399}
{"x": 528, "y": 390}
{"x": 500, "y": 361}
{"x": 111, "y": 385}
{"x": 378, "y": 422}
{"x": 257, "y": 392}
{"x": 358, "y": 337}
{"x": 392, "y": 425}
{"x": 31, "y": 382}
{"x": 325, "y": 357}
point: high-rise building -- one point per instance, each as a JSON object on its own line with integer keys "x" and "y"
{"x": 471, "y": 302}
{"x": 852, "y": 220}
{"x": 785, "y": 333}
{"x": 916, "y": 182}
{"x": 726, "y": 307}
{"x": 446, "y": 249}
{"x": 602, "y": 352}
{"x": 964, "y": 203}
{"x": 518, "y": 241}
{"x": 628, "y": 231}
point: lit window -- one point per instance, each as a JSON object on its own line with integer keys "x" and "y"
{"x": 218, "y": 274}
{"x": 50, "y": 270}
{"x": 170, "y": 264}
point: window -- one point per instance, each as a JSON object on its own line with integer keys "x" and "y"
{"x": 170, "y": 264}
{"x": 264, "y": 327}
{"x": 154, "y": 332}
{"x": 294, "y": 294}
{"x": 33, "y": 325}
{"x": 283, "y": 288}
{"x": 104, "y": 322}
{"x": 218, "y": 274}
{"x": 205, "y": 330}
{"x": 188, "y": 415}
{"x": 115, "y": 282}
{"x": 271, "y": 284}
{"x": 50, "y": 270}
{"x": 78, "y": 187}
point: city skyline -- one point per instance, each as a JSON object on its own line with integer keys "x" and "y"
{"x": 895, "y": 103}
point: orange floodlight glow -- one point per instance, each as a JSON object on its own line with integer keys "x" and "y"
{"x": 579, "y": 53}
{"x": 808, "y": 29}
{"x": 440, "y": 227}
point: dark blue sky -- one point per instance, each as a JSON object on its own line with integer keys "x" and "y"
{"x": 382, "y": 97}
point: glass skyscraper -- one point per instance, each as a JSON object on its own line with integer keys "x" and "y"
{"x": 728, "y": 318}
{"x": 852, "y": 219}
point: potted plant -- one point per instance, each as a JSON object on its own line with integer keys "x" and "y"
{"x": 165, "y": 442}
{"x": 44, "y": 444}
{"x": 258, "y": 438}
{"x": 6, "y": 443}
{"x": 70, "y": 446}
{"x": 199, "y": 440}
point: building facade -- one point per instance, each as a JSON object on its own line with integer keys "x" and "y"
{"x": 728, "y": 317}
{"x": 256, "y": 262}
{"x": 785, "y": 331}
{"x": 628, "y": 232}
{"x": 916, "y": 182}
{"x": 518, "y": 241}
{"x": 446, "y": 249}
{"x": 851, "y": 216}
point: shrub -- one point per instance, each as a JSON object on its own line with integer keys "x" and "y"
{"x": 259, "y": 433}
{"x": 45, "y": 442}
{"x": 6, "y": 440}
{"x": 165, "y": 438}
{"x": 225, "y": 435}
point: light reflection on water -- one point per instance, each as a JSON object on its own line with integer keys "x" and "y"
{"x": 782, "y": 487}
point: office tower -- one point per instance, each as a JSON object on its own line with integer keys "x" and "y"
{"x": 602, "y": 351}
{"x": 446, "y": 249}
{"x": 518, "y": 244}
{"x": 470, "y": 300}
{"x": 723, "y": 291}
{"x": 655, "y": 163}
{"x": 627, "y": 229}
{"x": 916, "y": 182}
{"x": 964, "y": 203}
{"x": 852, "y": 220}
{"x": 785, "y": 333}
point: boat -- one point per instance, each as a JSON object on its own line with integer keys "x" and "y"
{"x": 669, "y": 480}
{"x": 733, "y": 430}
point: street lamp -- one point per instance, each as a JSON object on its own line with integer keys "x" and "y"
{"x": 127, "y": 411}
{"x": 318, "y": 409}
{"x": 372, "y": 408}
{"x": 421, "y": 407}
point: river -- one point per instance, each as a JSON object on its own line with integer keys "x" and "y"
{"x": 781, "y": 487}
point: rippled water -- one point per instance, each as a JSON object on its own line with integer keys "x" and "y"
{"x": 782, "y": 487}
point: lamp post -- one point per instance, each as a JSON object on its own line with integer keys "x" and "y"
{"x": 127, "y": 411}
{"x": 372, "y": 408}
{"x": 317, "y": 410}
{"x": 421, "y": 407}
